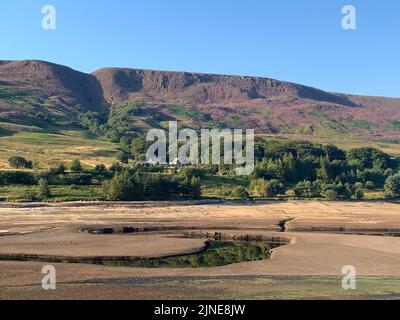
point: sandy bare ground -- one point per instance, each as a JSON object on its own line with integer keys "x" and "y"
{"x": 55, "y": 231}
{"x": 306, "y": 214}
{"x": 61, "y": 243}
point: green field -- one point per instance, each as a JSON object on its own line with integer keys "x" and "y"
{"x": 21, "y": 193}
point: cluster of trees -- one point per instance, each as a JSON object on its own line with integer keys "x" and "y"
{"x": 267, "y": 188}
{"x": 119, "y": 123}
{"x": 308, "y": 170}
{"x": 130, "y": 185}
{"x": 17, "y": 177}
{"x": 17, "y": 162}
{"x": 133, "y": 147}
{"x": 392, "y": 186}
{"x": 119, "y": 183}
{"x": 314, "y": 170}
{"x": 75, "y": 175}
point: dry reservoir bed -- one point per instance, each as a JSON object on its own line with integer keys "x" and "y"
{"x": 317, "y": 249}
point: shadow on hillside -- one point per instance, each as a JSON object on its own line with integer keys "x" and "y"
{"x": 5, "y": 132}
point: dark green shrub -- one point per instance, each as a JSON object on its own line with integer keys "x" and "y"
{"x": 123, "y": 187}
{"x": 44, "y": 189}
{"x": 190, "y": 172}
{"x": 331, "y": 195}
{"x": 359, "y": 193}
{"x": 240, "y": 192}
{"x": 17, "y": 162}
{"x": 392, "y": 187}
{"x": 274, "y": 188}
{"x": 369, "y": 185}
{"x": 59, "y": 169}
{"x": 76, "y": 166}
{"x": 307, "y": 189}
{"x": 17, "y": 177}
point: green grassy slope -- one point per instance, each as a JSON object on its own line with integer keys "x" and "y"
{"x": 50, "y": 149}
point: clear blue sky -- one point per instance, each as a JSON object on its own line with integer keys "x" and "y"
{"x": 293, "y": 40}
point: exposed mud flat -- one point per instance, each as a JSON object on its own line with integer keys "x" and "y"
{"x": 322, "y": 247}
{"x": 38, "y": 252}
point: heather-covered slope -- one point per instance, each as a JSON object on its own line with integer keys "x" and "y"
{"x": 41, "y": 93}
{"x": 268, "y": 105}
{"x": 46, "y": 96}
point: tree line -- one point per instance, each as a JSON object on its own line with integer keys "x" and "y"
{"x": 299, "y": 169}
